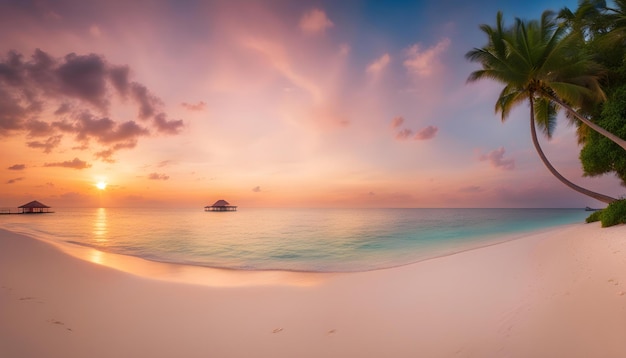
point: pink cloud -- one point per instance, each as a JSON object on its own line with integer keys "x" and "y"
{"x": 424, "y": 63}
{"x": 426, "y": 133}
{"x": 158, "y": 176}
{"x": 314, "y": 22}
{"x": 200, "y": 106}
{"x": 397, "y": 122}
{"x": 164, "y": 163}
{"x": 377, "y": 66}
{"x": 496, "y": 158}
{"x": 95, "y": 31}
{"x": 404, "y": 134}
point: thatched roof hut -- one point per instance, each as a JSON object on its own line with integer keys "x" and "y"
{"x": 221, "y": 205}
{"x": 34, "y": 207}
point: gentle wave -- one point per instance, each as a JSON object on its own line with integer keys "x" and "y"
{"x": 320, "y": 240}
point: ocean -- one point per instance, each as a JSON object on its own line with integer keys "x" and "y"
{"x": 315, "y": 240}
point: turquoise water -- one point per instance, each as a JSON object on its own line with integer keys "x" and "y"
{"x": 321, "y": 240}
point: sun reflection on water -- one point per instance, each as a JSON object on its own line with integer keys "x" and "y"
{"x": 100, "y": 227}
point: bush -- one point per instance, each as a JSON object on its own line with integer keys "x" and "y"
{"x": 614, "y": 214}
{"x": 595, "y": 216}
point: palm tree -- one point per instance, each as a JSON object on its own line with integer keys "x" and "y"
{"x": 603, "y": 31}
{"x": 538, "y": 62}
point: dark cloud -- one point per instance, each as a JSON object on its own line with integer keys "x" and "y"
{"x": 48, "y": 145}
{"x": 200, "y": 106}
{"x": 426, "y": 133}
{"x": 12, "y": 115}
{"x": 17, "y": 167}
{"x": 63, "y": 109}
{"x": 148, "y": 103}
{"x": 74, "y": 164}
{"x": 107, "y": 131}
{"x": 38, "y": 128}
{"x": 158, "y": 176}
{"x": 256, "y": 189}
{"x": 105, "y": 155}
{"x": 15, "y": 180}
{"x": 496, "y": 158}
{"x": 80, "y": 89}
{"x": 63, "y": 126}
{"x": 11, "y": 70}
{"x": 119, "y": 79}
{"x": 88, "y": 126}
{"x": 84, "y": 77}
{"x": 41, "y": 69}
{"x": 167, "y": 127}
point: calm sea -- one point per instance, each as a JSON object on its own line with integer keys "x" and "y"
{"x": 322, "y": 240}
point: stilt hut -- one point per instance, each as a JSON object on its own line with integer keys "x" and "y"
{"x": 34, "y": 207}
{"x": 220, "y": 205}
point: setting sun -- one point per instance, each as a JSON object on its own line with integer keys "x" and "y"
{"x": 101, "y": 185}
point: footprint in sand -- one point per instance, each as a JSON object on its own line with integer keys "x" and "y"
{"x": 29, "y": 299}
{"x": 56, "y": 322}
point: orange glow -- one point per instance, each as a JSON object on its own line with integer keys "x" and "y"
{"x": 275, "y": 106}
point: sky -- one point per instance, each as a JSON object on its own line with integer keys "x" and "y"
{"x": 267, "y": 104}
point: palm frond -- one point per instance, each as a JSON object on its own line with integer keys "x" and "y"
{"x": 573, "y": 93}
{"x": 545, "y": 115}
{"x": 510, "y": 97}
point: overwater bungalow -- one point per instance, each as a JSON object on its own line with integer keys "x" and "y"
{"x": 220, "y": 205}
{"x": 34, "y": 207}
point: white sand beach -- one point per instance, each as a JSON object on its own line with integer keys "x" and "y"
{"x": 559, "y": 293}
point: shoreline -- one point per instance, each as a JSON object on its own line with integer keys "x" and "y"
{"x": 555, "y": 293}
{"x": 133, "y": 263}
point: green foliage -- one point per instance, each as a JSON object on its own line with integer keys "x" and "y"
{"x": 594, "y": 217}
{"x": 599, "y": 155}
{"x": 602, "y": 29}
{"x": 614, "y": 214}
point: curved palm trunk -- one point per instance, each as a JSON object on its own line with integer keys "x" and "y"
{"x": 617, "y": 140}
{"x": 601, "y": 197}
